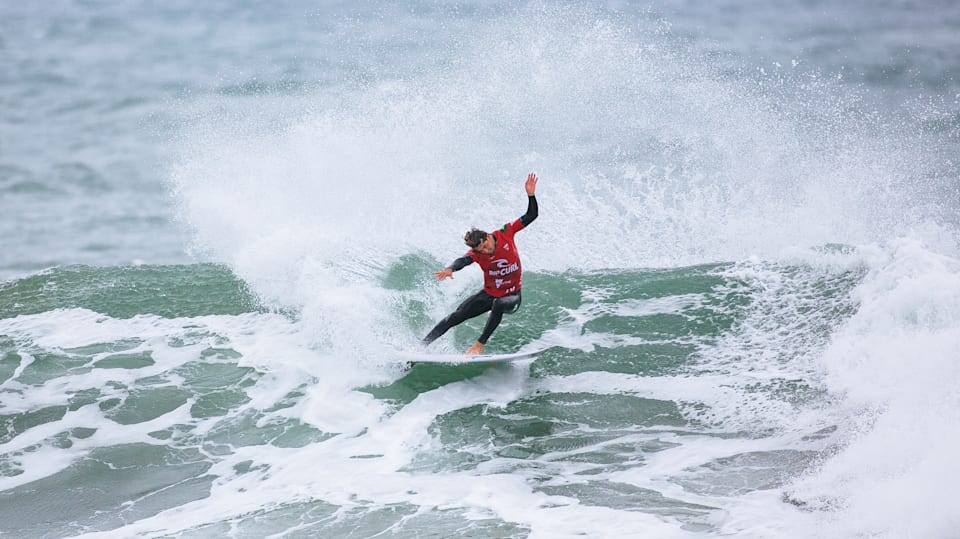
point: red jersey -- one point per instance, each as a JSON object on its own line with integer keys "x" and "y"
{"x": 501, "y": 270}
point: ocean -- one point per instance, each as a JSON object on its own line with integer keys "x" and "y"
{"x": 220, "y": 222}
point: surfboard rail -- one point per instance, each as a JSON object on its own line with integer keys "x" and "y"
{"x": 460, "y": 359}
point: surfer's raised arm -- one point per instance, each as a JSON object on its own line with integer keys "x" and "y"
{"x": 532, "y": 209}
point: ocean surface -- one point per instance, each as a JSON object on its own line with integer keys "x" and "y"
{"x": 219, "y": 223}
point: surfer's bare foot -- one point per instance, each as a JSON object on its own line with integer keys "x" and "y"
{"x": 474, "y": 350}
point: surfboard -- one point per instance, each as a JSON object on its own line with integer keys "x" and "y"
{"x": 460, "y": 359}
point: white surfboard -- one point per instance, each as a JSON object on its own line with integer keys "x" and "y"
{"x": 460, "y": 359}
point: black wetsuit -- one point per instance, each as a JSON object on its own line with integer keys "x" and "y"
{"x": 482, "y": 301}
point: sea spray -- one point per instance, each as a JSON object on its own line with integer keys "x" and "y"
{"x": 650, "y": 156}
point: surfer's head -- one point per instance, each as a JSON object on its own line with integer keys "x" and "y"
{"x": 479, "y": 241}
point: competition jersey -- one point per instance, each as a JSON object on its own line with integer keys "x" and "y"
{"x": 501, "y": 270}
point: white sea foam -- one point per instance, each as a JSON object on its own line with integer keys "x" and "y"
{"x": 895, "y": 363}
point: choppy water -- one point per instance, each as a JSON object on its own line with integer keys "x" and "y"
{"x": 220, "y": 220}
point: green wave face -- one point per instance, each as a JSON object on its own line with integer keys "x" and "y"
{"x": 122, "y": 292}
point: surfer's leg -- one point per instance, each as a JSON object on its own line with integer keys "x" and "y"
{"x": 505, "y": 305}
{"x": 471, "y": 307}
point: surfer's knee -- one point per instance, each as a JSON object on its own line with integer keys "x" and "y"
{"x": 507, "y": 304}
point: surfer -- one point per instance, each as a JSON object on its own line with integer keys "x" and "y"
{"x": 496, "y": 254}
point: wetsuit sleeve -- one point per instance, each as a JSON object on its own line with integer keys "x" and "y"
{"x": 532, "y": 211}
{"x": 460, "y": 263}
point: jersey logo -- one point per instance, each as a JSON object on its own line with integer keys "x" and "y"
{"x": 505, "y": 268}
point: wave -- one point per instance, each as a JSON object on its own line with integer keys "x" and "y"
{"x": 694, "y": 397}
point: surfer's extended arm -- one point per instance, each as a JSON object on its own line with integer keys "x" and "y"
{"x": 532, "y": 209}
{"x": 460, "y": 263}
{"x": 456, "y": 265}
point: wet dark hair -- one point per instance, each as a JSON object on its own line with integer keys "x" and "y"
{"x": 474, "y": 237}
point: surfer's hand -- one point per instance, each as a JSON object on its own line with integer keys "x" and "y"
{"x": 446, "y": 273}
{"x": 531, "y": 185}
